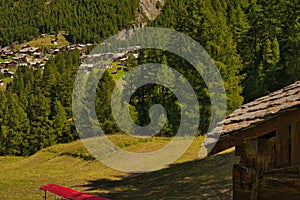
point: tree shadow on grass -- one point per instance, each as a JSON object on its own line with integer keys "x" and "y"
{"x": 210, "y": 178}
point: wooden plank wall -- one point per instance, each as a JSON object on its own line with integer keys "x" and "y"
{"x": 295, "y": 143}
{"x": 280, "y": 184}
{"x": 269, "y": 163}
{"x": 242, "y": 180}
{"x": 283, "y": 146}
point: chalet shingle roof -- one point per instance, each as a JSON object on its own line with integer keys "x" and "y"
{"x": 251, "y": 114}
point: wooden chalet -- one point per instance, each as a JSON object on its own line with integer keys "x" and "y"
{"x": 4, "y": 56}
{"x": 266, "y": 134}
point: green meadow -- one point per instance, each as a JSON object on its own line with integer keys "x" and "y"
{"x": 71, "y": 165}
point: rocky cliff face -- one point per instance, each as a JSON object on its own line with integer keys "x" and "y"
{"x": 151, "y": 8}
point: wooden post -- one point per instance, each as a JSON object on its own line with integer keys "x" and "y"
{"x": 244, "y": 179}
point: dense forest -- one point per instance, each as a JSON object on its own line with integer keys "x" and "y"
{"x": 36, "y": 107}
{"x": 259, "y": 38}
{"x": 254, "y": 43}
{"x": 84, "y": 20}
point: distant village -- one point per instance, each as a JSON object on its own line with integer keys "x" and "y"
{"x": 28, "y": 56}
{"x": 104, "y": 60}
{"x": 35, "y": 57}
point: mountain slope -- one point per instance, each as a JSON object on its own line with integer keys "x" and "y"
{"x": 151, "y": 8}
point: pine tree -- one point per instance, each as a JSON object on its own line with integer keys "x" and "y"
{"x": 275, "y": 51}
{"x": 103, "y": 102}
{"x": 14, "y": 127}
{"x": 60, "y": 124}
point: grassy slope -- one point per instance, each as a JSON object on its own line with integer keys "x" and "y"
{"x": 20, "y": 178}
{"x": 120, "y": 73}
{"x": 46, "y": 41}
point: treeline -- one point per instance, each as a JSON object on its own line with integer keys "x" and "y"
{"x": 84, "y": 20}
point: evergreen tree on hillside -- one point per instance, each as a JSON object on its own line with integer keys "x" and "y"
{"x": 103, "y": 103}
{"x": 14, "y": 126}
{"x": 60, "y": 124}
{"x": 214, "y": 25}
{"x": 41, "y": 102}
{"x": 267, "y": 56}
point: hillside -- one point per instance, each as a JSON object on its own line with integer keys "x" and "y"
{"x": 60, "y": 164}
{"x": 254, "y": 43}
{"x": 254, "y": 54}
{"x": 24, "y": 20}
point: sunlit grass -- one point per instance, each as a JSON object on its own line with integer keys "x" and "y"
{"x": 70, "y": 165}
{"x": 46, "y": 41}
{"x": 119, "y": 74}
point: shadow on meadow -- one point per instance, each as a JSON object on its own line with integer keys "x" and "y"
{"x": 210, "y": 178}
